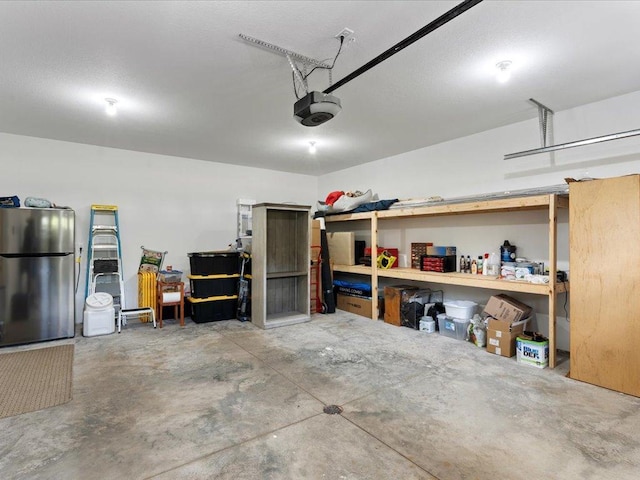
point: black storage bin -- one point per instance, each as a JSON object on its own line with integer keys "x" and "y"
{"x": 213, "y": 285}
{"x": 203, "y": 311}
{"x": 214, "y": 263}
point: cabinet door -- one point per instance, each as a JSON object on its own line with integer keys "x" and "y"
{"x": 605, "y": 280}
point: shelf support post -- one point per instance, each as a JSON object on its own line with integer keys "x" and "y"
{"x": 374, "y": 266}
{"x": 553, "y": 252}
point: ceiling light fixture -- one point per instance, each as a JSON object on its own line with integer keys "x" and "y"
{"x": 504, "y": 71}
{"x": 111, "y": 108}
{"x": 312, "y": 148}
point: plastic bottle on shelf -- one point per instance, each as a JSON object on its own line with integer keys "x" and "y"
{"x": 474, "y": 266}
{"x": 485, "y": 264}
{"x": 463, "y": 264}
{"x": 480, "y": 265}
{"x": 494, "y": 264}
{"x": 468, "y": 265}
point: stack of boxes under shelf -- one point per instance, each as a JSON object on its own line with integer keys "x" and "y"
{"x": 507, "y": 318}
{"x": 214, "y": 285}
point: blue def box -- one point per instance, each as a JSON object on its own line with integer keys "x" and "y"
{"x": 441, "y": 251}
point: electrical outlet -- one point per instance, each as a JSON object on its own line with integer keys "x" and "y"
{"x": 346, "y": 33}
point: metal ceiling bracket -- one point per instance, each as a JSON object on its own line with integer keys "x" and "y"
{"x": 543, "y": 117}
{"x": 297, "y": 73}
{"x": 283, "y": 51}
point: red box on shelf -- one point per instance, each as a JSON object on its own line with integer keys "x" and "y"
{"x": 392, "y": 251}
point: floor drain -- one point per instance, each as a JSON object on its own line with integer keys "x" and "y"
{"x": 332, "y": 409}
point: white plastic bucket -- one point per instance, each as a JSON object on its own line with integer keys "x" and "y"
{"x": 460, "y": 309}
{"x": 99, "y": 315}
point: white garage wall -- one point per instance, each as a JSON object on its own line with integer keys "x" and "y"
{"x": 474, "y": 165}
{"x": 182, "y": 205}
{"x": 165, "y": 203}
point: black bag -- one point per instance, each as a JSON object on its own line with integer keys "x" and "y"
{"x": 412, "y": 310}
{"x": 410, "y": 314}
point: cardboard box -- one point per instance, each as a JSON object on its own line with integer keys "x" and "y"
{"x": 503, "y": 307}
{"x": 314, "y": 241}
{"x": 503, "y": 326}
{"x": 357, "y": 305}
{"x": 315, "y": 232}
{"x": 531, "y": 352}
{"x": 501, "y": 337}
{"x": 355, "y": 290}
{"x": 440, "y": 251}
{"x": 501, "y": 343}
{"x": 342, "y": 247}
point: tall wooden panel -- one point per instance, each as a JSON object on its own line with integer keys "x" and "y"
{"x": 604, "y": 220}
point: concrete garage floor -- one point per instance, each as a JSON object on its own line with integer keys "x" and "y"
{"x": 226, "y": 400}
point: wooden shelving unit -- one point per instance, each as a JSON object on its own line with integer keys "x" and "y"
{"x": 549, "y": 202}
{"x": 280, "y": 264}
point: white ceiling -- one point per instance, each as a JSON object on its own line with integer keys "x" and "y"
{"x": 188, "y": 86}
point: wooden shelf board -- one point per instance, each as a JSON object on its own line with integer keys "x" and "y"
{"x": 349, "y": 216}
{"x": 467, "y": 280}
{"x": 536, "y": 202}
{"x": 286, "y": 274}
{"x": 360, "y": 269}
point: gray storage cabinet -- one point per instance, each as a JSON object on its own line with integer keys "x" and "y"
{"x": 280, "y": 264}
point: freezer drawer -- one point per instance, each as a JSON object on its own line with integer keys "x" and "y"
{"x": 36, "y": 298}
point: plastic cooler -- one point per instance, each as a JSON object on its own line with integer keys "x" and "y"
{"x": 99, "y": 315}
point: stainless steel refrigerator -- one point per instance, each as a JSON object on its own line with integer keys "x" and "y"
{"x": 37, "y": 272}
